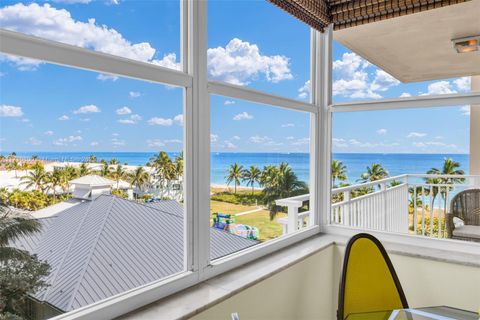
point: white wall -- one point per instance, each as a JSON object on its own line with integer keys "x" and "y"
{"x": 309, "y": 290}
{"x": 475, "y": 131}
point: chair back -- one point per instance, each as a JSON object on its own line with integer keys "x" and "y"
{"x": 466, "y": 206}
{"x": 369, "y": 282}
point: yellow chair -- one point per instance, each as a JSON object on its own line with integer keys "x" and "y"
{"x": 369, "y": 282}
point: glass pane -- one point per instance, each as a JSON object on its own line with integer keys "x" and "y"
{"x": 250, "y": 50}
{"x": 260, "y": 160}
{"x": 355, "y": 78}
{"x": 141, "y": 30}
{"x": 401, "y": 172}
{"x": 99, "y": 167}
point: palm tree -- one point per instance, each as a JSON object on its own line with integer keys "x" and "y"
{"x": 251, "y": 176}
{"x": 283, "y": 184}
{"x": 139, "y": 178}
{"x": 179, "y": 165}
{"x": 92, "y": 158}
{"x": 105, "y": 171}
{"x": 235, "y": 173}
{"x": 164, "y": 166}
{"x": 14, "y": 165}
{"x": 12, "y": 227}
{"x": 84, "y": 170}
{"x": 113, "y": 161}
{"x": 339, "y": 171}
{"x": 373, "y": 173}
{"x": 118, "y": 174}
{"x": 35, "y": 178}
{"x": 55, "y": 179}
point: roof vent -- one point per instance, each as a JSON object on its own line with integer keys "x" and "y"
{"x": 466, "y": 44}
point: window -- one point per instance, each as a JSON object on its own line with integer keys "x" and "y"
{"x": 255, "y": 52}
{"x": 100, "y": 164}
{"x": 260, "y": 172}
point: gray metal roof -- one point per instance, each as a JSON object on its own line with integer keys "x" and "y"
{"x": 103, "y": 247}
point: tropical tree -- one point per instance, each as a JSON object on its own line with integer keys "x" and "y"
{"x": 84, "y": 170}
{"x": 339, "y": 171}
{"x": 105, "y": 170}
{"x": 92, "y": 158}
{"x": 373, "y": 173}
{"x": 164, "y": 166}
{"x": 56, "y": 179}
{"x": 118, "y": 174}
{"x": 21, "y": 273}
{"x": 252, "y": 176}
{"x": 179, "y": 165}
{"x": 34, "y": 157}
{"x": 139, "y": 178}
{"x": 283, "y": 184}
{"x": 113, "y": 161}
{"x": 14, "y": 165}
{"x": 35, "y": 178}
{"x": 235, "y": 174}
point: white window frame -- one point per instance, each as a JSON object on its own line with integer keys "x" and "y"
{"x": 198, "y": 89}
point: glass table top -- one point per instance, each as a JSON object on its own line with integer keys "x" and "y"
{"x": 428, "y": 313}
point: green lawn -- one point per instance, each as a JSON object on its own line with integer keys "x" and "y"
{"x": 261, "y": 219}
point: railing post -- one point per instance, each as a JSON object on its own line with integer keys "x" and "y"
{"x": 383, "y": 189}
{"x": 292, "y": 219}
{"x": 346, "y": 208}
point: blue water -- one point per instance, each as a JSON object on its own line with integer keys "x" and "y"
{"x": 356, "y": 162}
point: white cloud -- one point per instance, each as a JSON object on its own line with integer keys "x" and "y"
{"x": 25, "y": 120}
{"x": 382, "y": 131}
{"x": 236, "y": 138}
{"x": 173, "y": 141}
{"x": 155, "y": 143}
{"x": 64, "y": 118}
{"x": 160, "y": 122}
{"x": 288, "y": 125}
{"x": 242, "y": 116}
{"x": 340, "y": 143}
{"x": 67, "y": 140}
{"x": 84, "y": 119}
{"x": 134, "y": 94}
{"x": 239, "y": 62}
{"x": 178, "y": 119}
{"x": 133, "y": 119}
{"x": 10, "y": 111}
{"x": 405, "y": 95}
{"x": 34, "y": 141}
{"x": 301, "y": 141}
{"x": 213, "y": 138}
{"x": 91, "y": 108}
{"x": 463, "y": 84}
{"x": 123, "y": 110}
{"x": 168, "y": 61}
{"x": 117, "y": 142}
{"x": 305, "y": 90}
{"x": 440, "y": 87}
{"x": 106, "y": 77}
{"x": 229, "y": 145}
{"x": 354, "y": 81}
{"x": 228, "y": 102}
{"x": 465, "y": 110}
{"x": 21, "y": 63}
{"x": 416, "y": 135}
{"x": 48, "y": 22}
{"x": 260, "y": 139}
{"x": 48, "y": 133}
{"x": 434, "y": 144}
{"x": 94, "y": 143}
{"x": 290, "y": 138}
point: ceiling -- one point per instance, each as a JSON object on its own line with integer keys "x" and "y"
{"x": 418, "y": 47}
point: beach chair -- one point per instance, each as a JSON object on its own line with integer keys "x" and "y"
{"x": 369, "y": 282}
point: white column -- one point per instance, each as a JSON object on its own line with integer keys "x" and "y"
{"x": 475, "y": 131}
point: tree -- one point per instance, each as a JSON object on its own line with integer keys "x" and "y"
{"x": 21, "y": 273}
{"x": 56, "y": 179}
{"x": 179, "y": 165}
{"x": 105, "y": 171}
{"x": 164, "y": 166}
{"x": 113, "y": 161}
{"x": 14, "y": 165}
{"x": 118, "y": 174}
{"x": 374, "y": 173}
{"x": 84, "y": 170}
{"x": 252, "y": 176}
{"x": 339, "y": 171}
{"x": 92, "y": 158}
{"x": 235, "y": 173}
{"x": 35, "y": 178}
{"x": 139, "y": 178}
{"x": 283, "y": 184}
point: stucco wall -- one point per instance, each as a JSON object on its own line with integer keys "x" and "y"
{"x": 309, "y": 289}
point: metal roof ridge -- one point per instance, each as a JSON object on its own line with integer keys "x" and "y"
{"x": 92, "y": 249}
{"x": 47, "y": 291}
{"x": 145, "y": 205}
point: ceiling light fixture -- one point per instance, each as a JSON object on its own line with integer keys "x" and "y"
{"x": 467, "y": 44}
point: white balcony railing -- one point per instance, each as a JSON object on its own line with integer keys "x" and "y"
{"x": 409, "y": 203}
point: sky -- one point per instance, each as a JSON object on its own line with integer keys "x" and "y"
{"x": 45, "y": 107}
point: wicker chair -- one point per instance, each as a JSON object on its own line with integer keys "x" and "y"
{"x": 466, "y": 206}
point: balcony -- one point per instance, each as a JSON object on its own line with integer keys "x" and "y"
{"x": 388, "y": 204}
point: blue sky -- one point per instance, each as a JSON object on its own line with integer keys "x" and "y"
{"x": 45, "y": 107}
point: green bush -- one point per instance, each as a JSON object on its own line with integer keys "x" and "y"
{"x": 241, "y": 197}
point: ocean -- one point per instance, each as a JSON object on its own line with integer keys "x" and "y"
{"x": 356, "y": 163}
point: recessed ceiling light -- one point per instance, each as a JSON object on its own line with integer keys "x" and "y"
{"x": 467, "y": 44}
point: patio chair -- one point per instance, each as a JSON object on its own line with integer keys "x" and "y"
{"x": 369, "y": 282}
{"x": 463, "y": 220}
